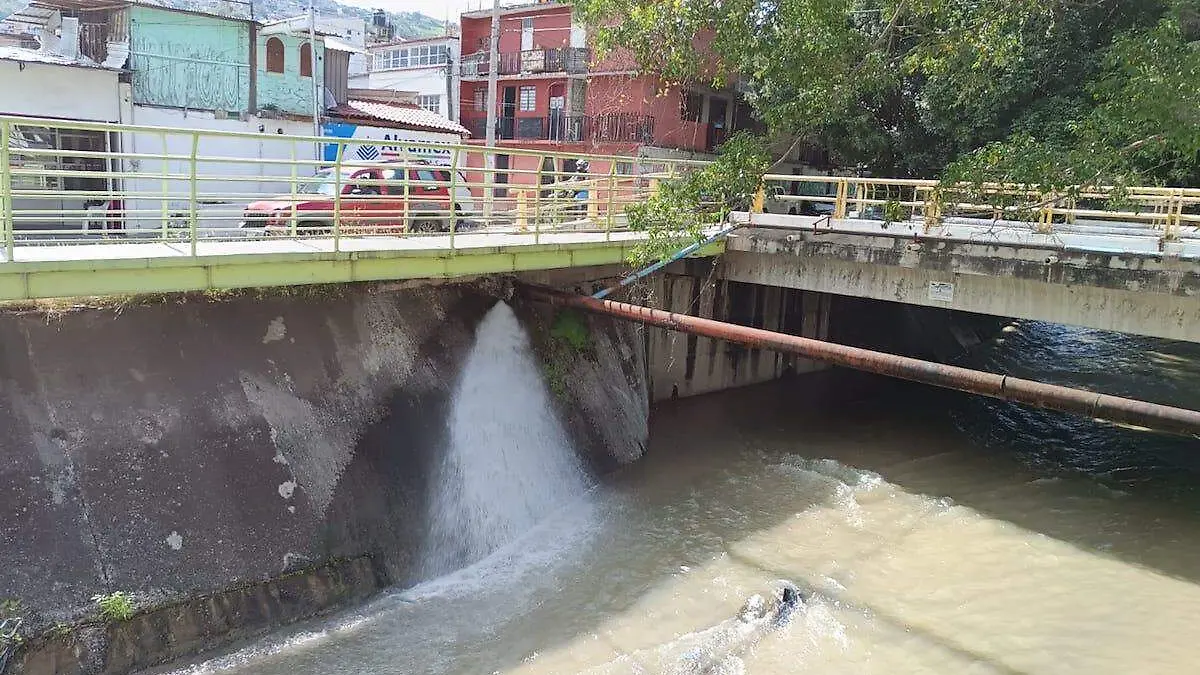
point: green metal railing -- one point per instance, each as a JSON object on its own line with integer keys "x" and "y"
{"x": 189, "y": 186}
{"x": 196, "y": 186}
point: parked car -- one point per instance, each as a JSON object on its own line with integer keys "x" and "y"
{"x": 792, "y": 206}
{"x": 375, "y": 198}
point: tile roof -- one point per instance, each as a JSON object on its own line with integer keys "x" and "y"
{"x": 405, "y": 115}
{"x": 35, "y": 56}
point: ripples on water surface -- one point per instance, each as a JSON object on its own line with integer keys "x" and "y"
{"x": 938, "y": 533}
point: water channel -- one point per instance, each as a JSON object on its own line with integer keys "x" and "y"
{"x": 934, "y": 533}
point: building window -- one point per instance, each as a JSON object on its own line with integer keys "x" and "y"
{"x": 528, "y": 99}
{"x": 44, "y": 138}
{"x": 432, "y": 103}
{"x": 275, "y": 55}
{"x": 412, "y": 57}
{"x": 306, "y": 60}
{"x": 479, "y": 96}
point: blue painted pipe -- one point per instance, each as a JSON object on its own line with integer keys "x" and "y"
{"x": 681, "y": 253}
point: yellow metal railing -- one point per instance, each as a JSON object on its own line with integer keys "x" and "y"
{"x": 1160, "y": 211}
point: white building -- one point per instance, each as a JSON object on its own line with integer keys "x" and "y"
{"x": 428, "y": 67}
{"x": 353, "y": 32}
{"x": 51, "y": 85}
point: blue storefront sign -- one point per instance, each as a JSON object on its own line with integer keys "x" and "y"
{"x": 373, "y": 144}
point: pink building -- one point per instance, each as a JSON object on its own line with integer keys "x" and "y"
{"x": 554, "y": 93}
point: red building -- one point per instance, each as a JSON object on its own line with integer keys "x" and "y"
{"x": 554, "y": 93}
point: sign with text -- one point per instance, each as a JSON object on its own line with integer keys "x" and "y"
{"x": 387, "y": 144}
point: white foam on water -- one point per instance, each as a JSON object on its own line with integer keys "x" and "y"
{"x": 555, "y": 541}
{"x": 270, "y": 648}
{"x": 509, "y": 462}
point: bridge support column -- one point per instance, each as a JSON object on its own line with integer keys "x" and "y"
{"x": 687, "y": 365}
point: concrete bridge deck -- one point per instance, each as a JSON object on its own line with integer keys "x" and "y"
{"x": 90, "y": 268}
{"x": 1108, "y": 275}
{"x": 181, "y": 214}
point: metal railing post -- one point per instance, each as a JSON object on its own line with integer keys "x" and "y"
{"x": 337, "y": 196}
{"x": 839, "y": 204}
{"x": 759, "y": 205}
{"x": 593, "y": 206}
{"x": 931, "y": 208}
{"x": 537, "y": 221}
{"x": 1174, "y": 216}
{"x": 537, "y": 195}
{"x": 6, "y": 199}
{"x": 522, "y": 220}
{"x": 407, "y": 195}
{"x": 292, "y": 193}
{"x": 164, "y": 206}
{"x": 608, "y": 211}
{"x": 1161, "y": 207}
{"x": 1046, "y": 217}
{"x": 453, "y": 196}
{"x": 194, "y": 213}
{"x": 489, "y": 182}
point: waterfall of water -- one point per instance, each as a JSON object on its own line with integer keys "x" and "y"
{"x": 509, "y": 462}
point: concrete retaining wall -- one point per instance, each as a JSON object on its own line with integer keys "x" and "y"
{"x": 177, "y": 448}
{"x": 197, "y": 623}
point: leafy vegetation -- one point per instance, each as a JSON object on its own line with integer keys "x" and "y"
{"x": 10, "y": 637}
{"x": 11, "y": 608}
{"x": 571, "y": 330}
{"x": 680, "y": 211}
{"x": 569, "y": 339}
{"x": 1051, "y": 93}
{"x": 117, "y": 606}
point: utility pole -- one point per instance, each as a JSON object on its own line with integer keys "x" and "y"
{"x": 318, "y": 101}
{"x": 493, "y": 73}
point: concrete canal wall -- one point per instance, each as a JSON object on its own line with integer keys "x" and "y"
{"x": 174, "y": 448}
{"x": 235, "y": 463}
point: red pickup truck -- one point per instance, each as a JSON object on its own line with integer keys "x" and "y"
{"x": 376, "y": 198}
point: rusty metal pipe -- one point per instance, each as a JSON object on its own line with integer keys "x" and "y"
{"x": 1038, "y": 394}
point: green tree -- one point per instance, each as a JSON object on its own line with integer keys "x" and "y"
{"x": 682, "y": 209}
{"x": 1052, "y": 92}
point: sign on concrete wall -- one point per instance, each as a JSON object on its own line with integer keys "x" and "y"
{"x": 940, "y": 291}
{"x": 387, "y": 143}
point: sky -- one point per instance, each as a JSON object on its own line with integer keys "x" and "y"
{"x": 435, "y": 8}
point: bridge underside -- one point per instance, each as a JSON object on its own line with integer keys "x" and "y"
{"x": 1143, "y": 294}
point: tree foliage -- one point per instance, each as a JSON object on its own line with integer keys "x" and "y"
{"x": 1047, "y": 92}
{"x": 681, "y": 208}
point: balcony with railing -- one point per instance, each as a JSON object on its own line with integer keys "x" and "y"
{"x": 569, "y": 60}
{"x": 611, "y": 128}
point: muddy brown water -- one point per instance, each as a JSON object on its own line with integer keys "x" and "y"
{"x": 934, "y": 533}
